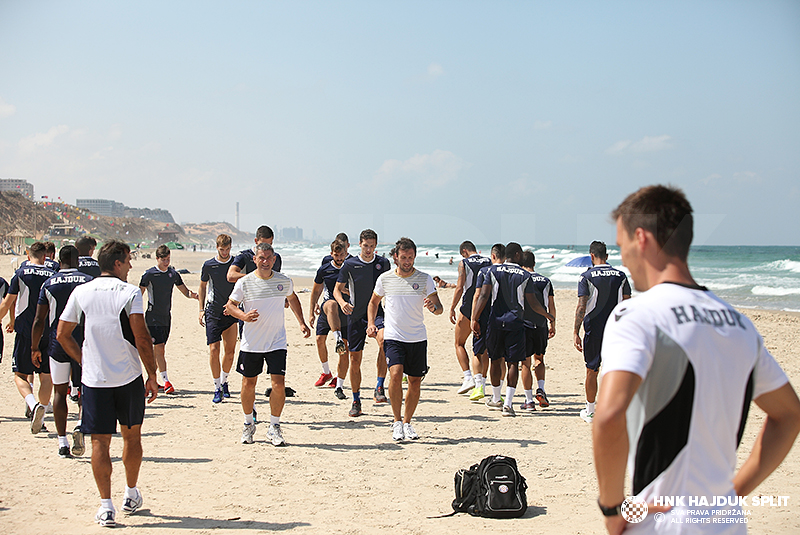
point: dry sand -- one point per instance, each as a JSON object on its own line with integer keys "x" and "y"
{"x": 338, "y": 474}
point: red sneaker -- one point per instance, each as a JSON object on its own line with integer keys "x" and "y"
{"x": 333, "y": 382}
{"x": 168, "y": 388}
{"x": 323, "y": 378}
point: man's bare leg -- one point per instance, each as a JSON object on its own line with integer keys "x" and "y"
{"x": 131, "y": 453}
{"x": 101, "y": 464}
{"x": 462, "y": 332}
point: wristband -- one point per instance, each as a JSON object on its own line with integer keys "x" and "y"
{"x": 609, "y": 511}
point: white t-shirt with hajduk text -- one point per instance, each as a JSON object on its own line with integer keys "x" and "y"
{"x": 110, "y": 358}
{"x": 403, "y": 306}
{"x": 267, "y": 297}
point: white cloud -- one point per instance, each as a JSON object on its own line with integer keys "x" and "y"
{"x": 738, "y": 178}
{"x": 542, "y": 125}
{"x": 434, "y": 169}
{"x": 43, "y": 139}
{"x": 435, "y": 70}
{"x": 646, "y": 144}
{"x": 6, "y": 109}
{"x": 524, "y": 186}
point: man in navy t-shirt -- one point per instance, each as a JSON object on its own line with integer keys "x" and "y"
{"x": 537, "y": 334}
{"x": 358, "y": 276}
{"x": 159, "y": 281}
{"x": 600, "y": 288}
{"x": 87, "y": 264}
{"x": 244, "y": 262}
{"x": 215, "y": 288}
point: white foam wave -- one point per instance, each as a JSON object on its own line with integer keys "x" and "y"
{"x": 783, "y": 265}
{"x": 769, "y": 290}
{"x": 721, "y": 286}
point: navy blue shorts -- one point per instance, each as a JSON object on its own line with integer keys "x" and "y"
{"x": 535, "y": 340}
{"x": 159, "y": 334}
{"x": 357, "y": 331}
{"x": 324, "y": 328}
{"x": 412, "y": 356}
{"x": 216, "y": 325}
{"x": 506, "y": 343}
{"x": 591, "y": 352}
{"x": 251, "y": 364}
{"x": 479, "y": 344}
{"x": 104, "y": 407}
{"x": 21, "y": 360}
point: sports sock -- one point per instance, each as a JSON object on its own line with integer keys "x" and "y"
{"x": 326, "y": 369}
{"x": 31, "y": 401}
{"x": 164, "y": 376}
{"x": 467, "y": 374}
{"x": 131, "y": 492}
{"x": 217, "y": 384}
{"x": 338, "y": 335}
{"x": 340, "y": 382}
{"x": 274, "y": 419}
{"x": 356, "y": 396}
{"x": 78, "y": 423}
{"x": 380, "y": 382}
{"x": 510, "y": 390}
{"x": 62, "y": 441}
{"x": 248, "y": 419}
{"x": 223, "y": 378}
{"x": 496, "y": 392}
{"x": 541, "y": 384}
{"x": 107, "y": 504}
{"x": 590, "y": 407}
{"x": 478, "y": 380}
{"x": 529, "y": 396}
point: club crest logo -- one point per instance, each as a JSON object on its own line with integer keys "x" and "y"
{"x": 415, "y": 286}
{"x": 503, "y": 489}
{"x": 634, "y": 509}
{"x": 280, "y": 287}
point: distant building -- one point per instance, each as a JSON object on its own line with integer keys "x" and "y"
{"x": 111, "y": 208}
{"x": 165, "y": 236}
{"x": 292, "y": 234}
{"x": 17, "y": 184}
{"x": 156, "y": 214}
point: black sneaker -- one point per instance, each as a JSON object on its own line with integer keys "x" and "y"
{"x": 340, "y": 393}
{"x": 380, "y": 395}
{"x": 64, "y": 453}
{"x": 355, "y": 410}
{"x": 225, "y": 392}
{"x": 340, "y": 347}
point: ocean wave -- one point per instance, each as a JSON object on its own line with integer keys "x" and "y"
{"x": 783, "y": 265}
{"x": 769, "y": 290}
{"x": 720, "y": 286}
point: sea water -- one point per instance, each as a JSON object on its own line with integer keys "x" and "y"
{"x": 746, "y": 276}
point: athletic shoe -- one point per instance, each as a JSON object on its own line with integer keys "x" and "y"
{"x": 217, "y": 396}
{"x": 37, "y": 417}
{"x": 28, "y": 411}
{"x": 541, "y": 397}
{"x": 508, "y": 411}
{"x": 355, "y": 410}
{"x": 105, "y": 517}
{"x": 78, "y": 444}
{"x": 380, "y": 395}
{"x": 494, "y": 405}
{"x": 274, "y": 434}
{"x": 225, "y": 392}
{"x": 168, "y": 388}
{"x": 529, "y": 406}
{"x": 340, "y": 347}
{"x": 333, "y": 382}
{"x": 64, "y": 453}
{"x": 477, "y": 394}
{"x": 161, "y": 388}
{"x": 340, "y": 393}
{"x": 405, "y": 379}
{"x": 43, "y": 429}
{"x": 323, "y": 378}
{"x": 48, "y": 409}
{"x": 74, "y": 393}
{"x": 248, "y": 432}
{"x": 397, "y": 431}
{"x": 131, "y": 505}
{"x": 587, "y": 416}
{"x": 409, "y": 432}
{"x": 467, "y": 385}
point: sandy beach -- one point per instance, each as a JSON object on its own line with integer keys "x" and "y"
{"x": 339, "y": 474}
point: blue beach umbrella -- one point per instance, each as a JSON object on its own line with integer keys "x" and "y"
{"x": 581, "y": 261}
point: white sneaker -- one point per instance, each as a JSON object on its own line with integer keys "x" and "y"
{"x": 37, "y": 418}
{"x": 409, "y": 432}
{"x": 248, "y": 432}
{"x": 494, "y": 405}
{"x": 397, "y": 431}
{"x": 131, "y": 505}
{"x": 587, "y": 416}
{"x": 274, "y": 433}
{"x": 508, "y": 411}
{"x": 467, "y": 385}
{"x": 105, "y": 517}
{"x": 49, "y": 409}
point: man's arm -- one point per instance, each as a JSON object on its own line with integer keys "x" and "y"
{"x": 187, "y": 292}
{"x": 478, "y": 303}
{"x": 201, "y": 298}
{"x": 297, "y": 309}
{"x": 773, "y": 441}
{"x": 346, "y": 307}
{"x": 610, "y": 441}
{"x": 580, "y": 313}
{"x": 462, "y": 278}
{"x": 433, "y": 304}
{"x": 144, "y": 345}
{"x": 235, "y": 273}
{"x": 7, "y": 305}
{"x": 372, "y": 313}
{"x": 232, "y": 309}
{"x": 313, "y": 307}
{"x": 36, "y": 333}
{"x": 552, "y": 308}
{"x": 68, "y": 343}
{"x": 537, "y": 307}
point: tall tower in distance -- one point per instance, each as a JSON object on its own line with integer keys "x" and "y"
{"x": 236, "y": 219}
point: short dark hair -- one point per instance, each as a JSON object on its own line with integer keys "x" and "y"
{"x": 663, "y": 211}
{"x": 466, "y": 247}
{"x": 265, "y": 247}
{"x": 499, "y": 250}
{"x": 343, "y": 237}
{"x": 528, "y": 259}
{"x": 264, "y": 232}
{"x": 38, "y": 250}
{"x": 406, "y": 244}
{"x": 110, "y": 252}
{"x": 337, "y": 246}
{"x": 368, "y": 234}
{"x": 223, "y": 240}
{"x": 162, "y": 251}
{"x": 85, "y": 244}
{"x": 50, "y": 247}
{"x": 513, "y": 251}
{"x": 598, "y": 249}
{"x": 68, "y": 256}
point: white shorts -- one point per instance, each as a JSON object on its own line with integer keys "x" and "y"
{"x": 60, "y": 372}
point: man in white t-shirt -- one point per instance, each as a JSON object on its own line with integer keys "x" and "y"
{"x": 405, "y": 340}
{"x": 262, "y": 294}
{"x": 115, "y": 341}
{"x": 680, "y": 367}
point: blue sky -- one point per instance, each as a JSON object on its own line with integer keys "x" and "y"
{"x": 443, "y": 121}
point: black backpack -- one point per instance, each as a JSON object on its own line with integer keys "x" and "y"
{"x": 494, "y": 488}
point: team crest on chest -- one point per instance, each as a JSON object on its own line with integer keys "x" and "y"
{"x": 280, "y": 287}
{"x": 415, "y": 286}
